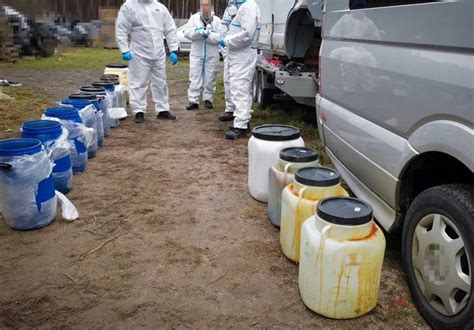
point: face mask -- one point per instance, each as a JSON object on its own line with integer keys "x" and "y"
{"x": 232, "y": 10}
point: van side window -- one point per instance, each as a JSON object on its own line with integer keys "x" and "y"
{"x": 360, "y": 4}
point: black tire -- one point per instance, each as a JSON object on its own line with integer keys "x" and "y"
{"x": 264, "y": 97}
{"x": 456, "y": 203}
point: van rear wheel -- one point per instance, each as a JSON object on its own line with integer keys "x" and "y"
{"x": 255, "y": 81}
{"x": 438, "y": 255}
{"x": 264, "y": 96}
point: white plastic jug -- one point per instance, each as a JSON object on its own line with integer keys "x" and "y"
{"x": 298, "y": 203}
{"x": 342, "y": 252}
{"x": 263, "y": 152}
{"x": 282, "y": 174}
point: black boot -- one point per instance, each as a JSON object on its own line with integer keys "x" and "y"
{"x": 235, "y": 133}
{"x": 192, "y": 106}
{"x": 226, "y": 116}
{"x": 166, "y": 115}
{"x": 139, "y": 116}
{"x": 208, "y": 105}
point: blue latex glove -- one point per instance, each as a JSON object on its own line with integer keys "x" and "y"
{"x": 127, "y": 56}
{"x": 197, "y": 29}
{"x": 174, "y": 58}
{"x": 222, "y": 43}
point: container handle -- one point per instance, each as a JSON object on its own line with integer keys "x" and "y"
{"x": 324, "y": 236}
{"x": 6, "y": 167}
{"x": 301, "y": 193}
{"x": 287, "y": 167}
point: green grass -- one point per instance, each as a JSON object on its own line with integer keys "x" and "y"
{"x": 25, "y": 105}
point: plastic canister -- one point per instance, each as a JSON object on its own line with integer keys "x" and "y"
{"x": 113, "y": 101}
{"x": 342, "y": 251}
{"x": 27, "y": 194}
{"x": 299, "y": 200}
{"x": 81, "y": 101}
{"x": 70, "y": 119}
{"x": 120, "y": 89}
{"x": 55, "y": 141}
{"x": 103, "y": 121}
{"x": 282, "y": 174}
{"x": 120, "y": 69}
{"x": 263, "y": 152}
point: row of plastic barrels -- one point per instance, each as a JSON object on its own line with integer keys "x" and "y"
{"x": 42, "y": 162}
{"x": 333, "y": 237}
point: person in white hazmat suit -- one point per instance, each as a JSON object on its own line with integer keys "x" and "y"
{"x": 229, "y": 14}
{"x": 203, "y": 30}
{"x": 241, "y": 43}
{"x": 147, "y": 23}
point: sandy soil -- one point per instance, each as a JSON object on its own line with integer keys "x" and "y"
{"x": 189, "y": 248}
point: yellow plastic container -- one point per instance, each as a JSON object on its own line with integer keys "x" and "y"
{"x": 342, "y": 251}
{"x": 298, "y": 203}
{"x": 119, "y": 69}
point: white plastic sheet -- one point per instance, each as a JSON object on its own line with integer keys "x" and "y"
{"x": 19, "y": 187}
{"x": 69, "y": 211}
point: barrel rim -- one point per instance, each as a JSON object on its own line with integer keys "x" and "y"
{"x": 20, "y": 146}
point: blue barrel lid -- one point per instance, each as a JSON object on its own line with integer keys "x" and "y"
{"x": 19, "y": 147}
{"x": 346, "y": 211}
{"x": 66, "y": 113}
{"x": 37, "y": 127}
{"x": 317, "y": 177}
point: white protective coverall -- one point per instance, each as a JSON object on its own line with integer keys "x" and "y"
{"x": 241, "y": 42}
{"x": 147, "y": 22}
{"x": 229, "y": 14}
{"x": 204, "y": 57}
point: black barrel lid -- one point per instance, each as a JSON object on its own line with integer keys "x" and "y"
{"x": 110, "y": 76}
{"x": 299, "y": 155}
{"x": 345, "y": 211}
{"x": 317, "y": 177}
{"x": 117, "y": 65}
{"x": 105, "y": 84}
{"x": 92, "y": 89}
{"x": 114, "y": 82}
{"x": 83, "y": 96}
{"x": 276, "y": 132}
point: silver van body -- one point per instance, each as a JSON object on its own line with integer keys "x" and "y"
{"x": 395, "y": 83}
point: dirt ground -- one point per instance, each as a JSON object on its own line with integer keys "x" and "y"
{"x": 189, "y": 248}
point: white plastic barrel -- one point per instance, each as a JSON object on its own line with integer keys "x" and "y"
{"x": 298, "y": 203}
{"x": 282, "y": 174}
{"x": 263, "y": 152}
{"x": 342, "y": 252}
